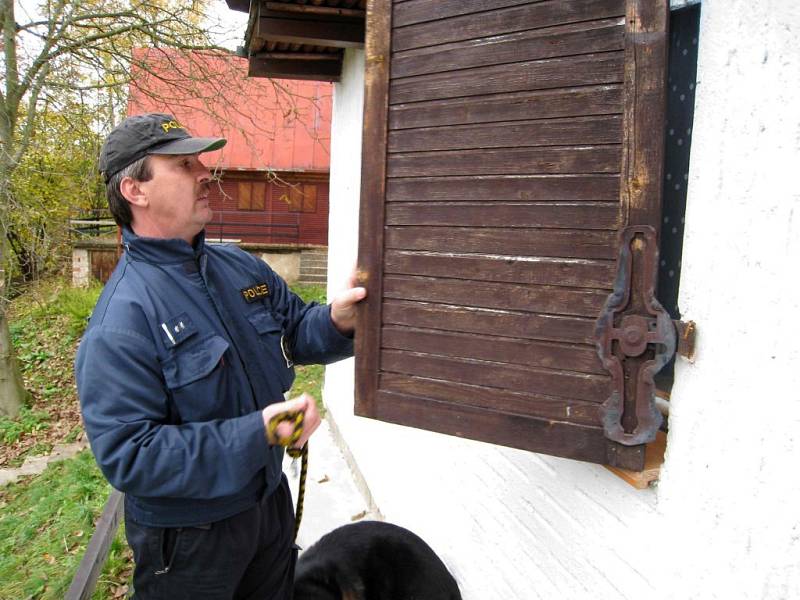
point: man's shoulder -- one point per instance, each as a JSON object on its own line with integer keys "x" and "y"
{"x": 236, "y": 258}
{"x": 231, "y": 252}
{"x": 121, "y": 301}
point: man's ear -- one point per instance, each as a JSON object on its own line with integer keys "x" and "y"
{"x": 132, "y": 191}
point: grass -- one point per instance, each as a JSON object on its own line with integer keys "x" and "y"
{"x": 27, "y": 422}
{"x": 309, "y": 378}
{"x": 310, "y": 292}
{"x": 45, "y": 324}
{"x": 46, "y": 523}
{"x": 47, "y": 520}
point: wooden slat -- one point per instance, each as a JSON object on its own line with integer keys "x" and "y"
{"x": 514, "y": 351}
{"x": 590, "y": 388}
{"x": 488, "y": 294}
{"x": 602, "y": 129}
{"x": 591, "y": 69}
{"x": 373, "y": 186}
{"x": 567, "y": 40}
{"x": 541, "y": 271}
{"x": 419, "y": 11}
{"x": 506, "y": 323}
{"x": 497, "y": 214}
{"x": 539, "y": 104}
{"x": 570, "y": 440}
{"x": 645, "y": 111}
{"x": 502, "y": 21}
{"x": 496, "y": 240}
{"x": 531, "y": 188}
{"x": 547, "y": 407}
{"x": 506, "y": 161}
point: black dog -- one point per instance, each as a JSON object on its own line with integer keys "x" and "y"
{"x": 372, "y": 561}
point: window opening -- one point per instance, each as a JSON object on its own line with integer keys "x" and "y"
{"x": 681, "y": 86}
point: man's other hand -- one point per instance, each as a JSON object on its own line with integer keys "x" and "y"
{"x": 303, "y": 403}
{"x": 343, "y": 306}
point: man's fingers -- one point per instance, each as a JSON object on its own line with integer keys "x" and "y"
{"x": 349, "y": 297}
{"x": 285, "y": 429}
{"x": 311, "y": 420}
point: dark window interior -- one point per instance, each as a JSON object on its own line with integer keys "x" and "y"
{"x": 682, "y": 79}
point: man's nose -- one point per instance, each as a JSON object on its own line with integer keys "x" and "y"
{"x": 203, "y": 174}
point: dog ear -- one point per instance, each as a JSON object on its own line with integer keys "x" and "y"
{"x": 327, "y": 581}
{"x": 315, "y": 589}
{"x": 355, "y": 591}
{"x": 316, "y": 584}
{"x": 348, "y": 584}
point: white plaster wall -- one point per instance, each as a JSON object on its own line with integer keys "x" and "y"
{"x": 345, "y": 185}
{"x": 731, "y": 487}
{"x": 723, "y": 522}
{"x": 345, "y": 174}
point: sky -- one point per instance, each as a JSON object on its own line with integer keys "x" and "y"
{"x": 227, "y": 25}
{"x": 232, "y": 24}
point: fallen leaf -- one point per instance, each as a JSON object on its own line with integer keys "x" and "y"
{"x": 324, "y": 479}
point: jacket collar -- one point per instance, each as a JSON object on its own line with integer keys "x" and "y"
{"x": 158, "y": 250}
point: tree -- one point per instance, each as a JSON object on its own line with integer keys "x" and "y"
{"x": 55, "y": 180}
{"x": 70, "y": 53}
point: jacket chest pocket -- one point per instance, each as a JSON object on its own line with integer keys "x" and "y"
{"x": 272, "y": 340}
{"x": 195, "y": 377}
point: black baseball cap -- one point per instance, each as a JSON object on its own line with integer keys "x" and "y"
{"x": 152, "y": 133}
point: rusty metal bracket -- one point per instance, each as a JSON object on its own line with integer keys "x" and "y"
{"x": 687, "y": 334}
{"x": 635, "y": 338}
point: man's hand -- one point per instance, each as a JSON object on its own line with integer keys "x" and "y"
{"x": 343, "y": 307}
{"x": 303, "y": 403}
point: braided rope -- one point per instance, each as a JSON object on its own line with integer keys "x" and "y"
{"x": 296, "y": 419}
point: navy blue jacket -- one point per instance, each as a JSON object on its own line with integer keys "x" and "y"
{"x": 182, "y": 351}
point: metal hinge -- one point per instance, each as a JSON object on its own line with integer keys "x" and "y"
{"x": 635, "y": 338}
{"x": 687, "y": 334}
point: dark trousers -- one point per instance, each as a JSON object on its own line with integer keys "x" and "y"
{"x": 249, "y": 556}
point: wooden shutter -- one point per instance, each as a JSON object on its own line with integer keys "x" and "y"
{"x": 507, "y": 146}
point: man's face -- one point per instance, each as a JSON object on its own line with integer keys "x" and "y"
{"x": 177, "y": 197}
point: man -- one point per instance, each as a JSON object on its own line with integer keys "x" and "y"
{"x": 186, "y": 359}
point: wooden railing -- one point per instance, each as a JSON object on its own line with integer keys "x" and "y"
{"x": 283, "y": 227}
{"x": 96, "y": 554}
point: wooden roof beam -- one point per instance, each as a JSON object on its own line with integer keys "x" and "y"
{"x": 240, "y": 5}
{"x": 313, "y": 10}
{"x": 316, "y": 31}
{"x": 323, "y": 69}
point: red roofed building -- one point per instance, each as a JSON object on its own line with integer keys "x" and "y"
{"x": 274, "y": 170}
